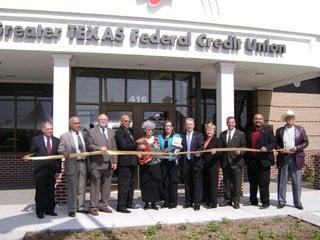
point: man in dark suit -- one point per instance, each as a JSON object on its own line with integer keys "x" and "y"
{"x": 294, "y": 140}
{"x": 73, "y": 141}
{"x": 192, "y": 165}
{"x": 232, "y": 163}
{"x": 101, "y": 138}
{"x": 127, "y": 165}
{"x": 259, "y": 163}
{"x": 45, "y": 171}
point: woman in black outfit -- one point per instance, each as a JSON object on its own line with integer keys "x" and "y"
{"x": 211, "y": 167}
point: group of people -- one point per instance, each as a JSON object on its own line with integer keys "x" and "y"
{"x": 160, "y": 156}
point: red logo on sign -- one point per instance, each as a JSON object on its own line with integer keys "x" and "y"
{"x": 154, "y": 3}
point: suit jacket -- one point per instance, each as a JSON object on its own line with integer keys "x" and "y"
{"x": 267, "y": 140}
{"x": 231, "y": 158}
{"x": 67, "y": 145}
{"x": 301, "y": 142}
{"x": 125, "y": 141}
{"x": 45, "y": 168}
{"x": 95, "y": 140}
{"x": 208, "y": 158}
{"x": 196, "y": 145}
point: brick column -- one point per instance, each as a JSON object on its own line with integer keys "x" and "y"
{"x": 61, "y": 188}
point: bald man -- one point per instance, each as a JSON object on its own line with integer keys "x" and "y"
{"x": 101, "y": 138}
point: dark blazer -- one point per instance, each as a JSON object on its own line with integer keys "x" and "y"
{"x": 196, "y": 145}
{"x": 301, "y": 142}
{"x": 95, "y": 140}
{"x": 231, "y": 158}
{"x": 207, "y": 157}
{"x": 125, "y": 141}
{"x": 267, "y": 140}
{"x": 45, "y": 168}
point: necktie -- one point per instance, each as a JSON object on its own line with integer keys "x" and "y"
{"x": 188, "y": 145}
{"x": 49, "y": 148}
{"x": 80, "y": 144}
{"x": 229, "y": 137}
{"x": 104, "y": 133}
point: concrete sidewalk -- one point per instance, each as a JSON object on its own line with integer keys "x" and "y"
{"x": 17, "y": 214}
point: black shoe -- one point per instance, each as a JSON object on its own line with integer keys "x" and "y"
{"x": 172, "y": 205}
{"x": 300, "y": 207}
{"x": 264, "y": 206}
{"x": 154, "y": 206}
{"x": 236, "y": 206}
{"x": 132, "y": 206}
{"x": 225, "y": 203}
{"x": 52, "y": 214}
{"x": 165, "y": 205}
{"x": 211, "y": 205}
{"x": 147, "y": 206}
{"x": 72, "y": 214}
{"x": 281, "y": 206}
{"x": 123, "y": 210}
{"x": 40, "y": 215}
{"x": 187, "y": 205}
{"x": 196, "y": 207}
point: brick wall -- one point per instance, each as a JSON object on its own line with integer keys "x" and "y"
{"x": 13, "y": 170}
{"x": 307, "y": 110}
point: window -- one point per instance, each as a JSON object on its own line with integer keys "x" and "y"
{"x": 23, "y": 108}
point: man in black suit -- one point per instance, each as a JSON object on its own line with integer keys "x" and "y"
{"x": 45, "y": 171}
{"x": 232, "y": 163}
{"x": 192, "y": 165}
{"x": 127, "y": 165}
{"x": 259, "y": 163}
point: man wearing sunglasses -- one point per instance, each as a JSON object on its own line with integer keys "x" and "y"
{"x": 127, "y": 165}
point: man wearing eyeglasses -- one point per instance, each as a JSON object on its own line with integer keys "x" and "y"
{"x": 127, "y": 165}
{"x": 76, "y": 168}
{"x": 101, "y": 138}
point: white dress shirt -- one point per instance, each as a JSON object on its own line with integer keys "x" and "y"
{"x": 288, "y": 138}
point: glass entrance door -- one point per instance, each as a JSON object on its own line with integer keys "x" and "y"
{"x": 138, "y": 114}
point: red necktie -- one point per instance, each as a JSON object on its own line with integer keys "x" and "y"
{"x": 49, "y": 148}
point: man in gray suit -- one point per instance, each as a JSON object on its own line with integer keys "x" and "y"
{"x": 101, "y": 138}
{"x": 76, "y": 170}
{"x": 232, "y": 163}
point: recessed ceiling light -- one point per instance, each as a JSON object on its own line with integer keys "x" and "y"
{"x": 258, "y": 73}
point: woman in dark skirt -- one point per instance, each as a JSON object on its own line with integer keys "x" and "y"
{"x": 150, "y": 172}
{"x": 211, "y": 167}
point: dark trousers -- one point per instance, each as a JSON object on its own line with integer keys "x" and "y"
{"x": 259, "y": 178}
{"x": 44, "y": 196}
{"x": 169, "y": 174}
{"x": 192, "y": 183}
{"x": 125, "y": 186}
{"x": 232, "y": 183}
{"x": 210, "y": 183}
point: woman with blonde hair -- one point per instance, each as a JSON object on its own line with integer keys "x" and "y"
{"x": 211, "y": 166}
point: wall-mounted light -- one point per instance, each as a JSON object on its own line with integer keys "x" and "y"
{"x": 297, "y": 84}
{"x": 258, "y": 73}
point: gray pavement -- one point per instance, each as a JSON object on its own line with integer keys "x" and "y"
{"x": 17, "y": 213}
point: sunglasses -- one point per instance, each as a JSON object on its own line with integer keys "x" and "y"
{"x": 127, "y": 121}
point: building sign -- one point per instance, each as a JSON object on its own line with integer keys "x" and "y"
{"x": 100, "y": 35}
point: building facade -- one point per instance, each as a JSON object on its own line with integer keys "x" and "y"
{"x": 153, "y": 60}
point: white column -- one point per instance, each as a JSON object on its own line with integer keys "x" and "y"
{"x": 61, "y": 83}
{"x": 224, "y": 93}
